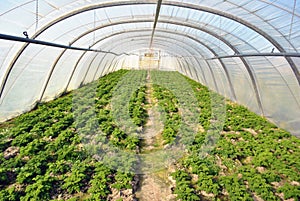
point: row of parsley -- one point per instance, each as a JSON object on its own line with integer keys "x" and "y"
{"x": 52, "y": 158}
{"x": 250, "y": 156}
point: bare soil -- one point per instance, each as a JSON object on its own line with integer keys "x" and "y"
{"x": 152, "y": 187}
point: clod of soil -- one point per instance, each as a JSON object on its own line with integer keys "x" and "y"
{"x": 11, "y": 152}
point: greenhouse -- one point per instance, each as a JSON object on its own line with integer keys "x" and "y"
{"x": 149, "y": 100}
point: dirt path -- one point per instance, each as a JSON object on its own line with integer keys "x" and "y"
{"x": 154, "y": 126}
{"x": 153, "y": 186}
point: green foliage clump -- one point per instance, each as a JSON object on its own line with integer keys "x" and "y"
{"x": 184, "y": 189}
{"x": 290, "y": 191}
{"x": 168, "y": 104}
{"x": 137, "y": 106}
{"x": 50, "y": 158}
{"x": 251, "y": 154}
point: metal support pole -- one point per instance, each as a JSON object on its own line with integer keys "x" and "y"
{"x": 155, "y": 22}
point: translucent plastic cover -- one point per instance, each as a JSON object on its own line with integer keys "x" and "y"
{"x": 225, "y": 45}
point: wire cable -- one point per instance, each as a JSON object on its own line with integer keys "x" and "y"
{"x": 292, "y": 19}
{"x": 36, "y": 14}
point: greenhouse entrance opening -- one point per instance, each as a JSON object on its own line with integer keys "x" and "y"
{"x": 149, "y": 59}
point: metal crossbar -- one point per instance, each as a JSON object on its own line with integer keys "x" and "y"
{"x": 40, "y": 42}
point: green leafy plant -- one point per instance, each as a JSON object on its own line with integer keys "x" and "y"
{"x": 74, "y": 182}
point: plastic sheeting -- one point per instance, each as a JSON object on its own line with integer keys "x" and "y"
{"x": 191, "y": 35}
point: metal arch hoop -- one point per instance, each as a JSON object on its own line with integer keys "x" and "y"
{"x": 119, "y": 33}
{"x": 163, "y": 21}
{"x": 197, "y": 41}
{"x": 113, "y": 35}
{"x": 182, "y": 47}
{"x": 185, "y": 5}
{"x": 237, "y": 54}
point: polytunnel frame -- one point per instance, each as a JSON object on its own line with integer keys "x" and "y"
{"x": 75, "y": 67}
{"x": 216, "y": 36}
{"x": 206, "y": 46}
{"x": 169, "y": 53}
{"x": 61, "y": 54}
{"x": 55, "y": 63}
{"x": 117, "y": 46}
{"x": 177, "y": 60}
{"x": 144, "y": 30}
{"x": 126, "y": 32}
{"x": 168, "y": 22}
{"x": 140, "y": 42}
{"x": 163, "y": 46}
{"x": 210, "y": 49}
{"x": 293, "y": 13}
{"x": 111, "y": 25}
{"x": 192, "y": 26}
{"x": 184, "y": 70}
{"x": 122, "y": 59}
{"x": 195, "y": 49}
{"x": 120, "y": 33}
{"x": 247, "y": 24}
{"x": 237, "y": 54}
{"x": 177, "y": 56}
{"x": 177, "y": 4}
